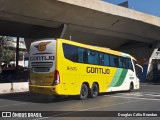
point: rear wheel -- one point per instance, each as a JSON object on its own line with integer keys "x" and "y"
{"x": 94, "y": 90}
{"x": 83, "y": 92}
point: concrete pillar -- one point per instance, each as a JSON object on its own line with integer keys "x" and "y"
{"x": 17, "y": 57}
{"x": 28, "y": 42}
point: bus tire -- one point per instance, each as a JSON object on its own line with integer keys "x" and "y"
{"x": 84, "y": 92}
{"x": 94, "y": 90}
{"x": 131, "y": 88}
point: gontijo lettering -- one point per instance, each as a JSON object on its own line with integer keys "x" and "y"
{"x": 38, "y": 58}
{"x": 97, "y": 70}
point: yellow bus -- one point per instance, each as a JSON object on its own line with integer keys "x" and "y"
{"x": 62, "y": 67}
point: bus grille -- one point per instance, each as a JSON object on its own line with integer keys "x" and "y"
{"x": 41, "y": 66}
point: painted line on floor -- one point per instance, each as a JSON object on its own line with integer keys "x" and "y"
{"x": 136, "y": 98}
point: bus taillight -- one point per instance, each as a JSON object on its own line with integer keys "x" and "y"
{"x": 56, "y": 78}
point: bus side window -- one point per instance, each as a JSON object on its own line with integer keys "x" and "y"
{"x": 130, "y": 65}
{"x": 127, "y": 63}
{"x": 101, "y": 58}
{"x": 93, "y": 57}
{"x": 85, "y": 56}
{"x": 106, "y": 59}
{"x": 82, "y": 55}
{"x": 123, "y": 63}
{"x": 70, "y": 52}
{"x": 120, "y": 62}
{"x": 114, "y": 61}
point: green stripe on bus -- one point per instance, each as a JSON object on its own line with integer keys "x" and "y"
{"x": 121, "y": 78}
{"x": 116, "y": 77}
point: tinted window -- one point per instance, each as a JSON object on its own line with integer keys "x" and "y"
{"x": 70, "y": 52}
{"x": 130, "y": 65}
{"x": 121, "y": 60}
{"x": 114, "y": 61}
{"x": 104, "y": 59}
{"x": 82, "y": 55}
{"x": 127, "y": 63}
{"x": 93, "y": 57}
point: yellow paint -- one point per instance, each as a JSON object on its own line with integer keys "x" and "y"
{"x": 72, "y": 74}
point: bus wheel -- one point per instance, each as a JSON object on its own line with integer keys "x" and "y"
{"x": 131, "y": 88}
{"x": 83, "y": 92}
{"x": 94, "y": 90}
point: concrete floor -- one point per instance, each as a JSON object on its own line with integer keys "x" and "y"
{"x": 145, "y": 99}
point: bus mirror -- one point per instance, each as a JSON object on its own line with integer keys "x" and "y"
{"x": 140, "y": 67}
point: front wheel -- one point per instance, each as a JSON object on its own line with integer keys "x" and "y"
{"x": 83, "y": 92}
{"x": 131, "y": 88}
